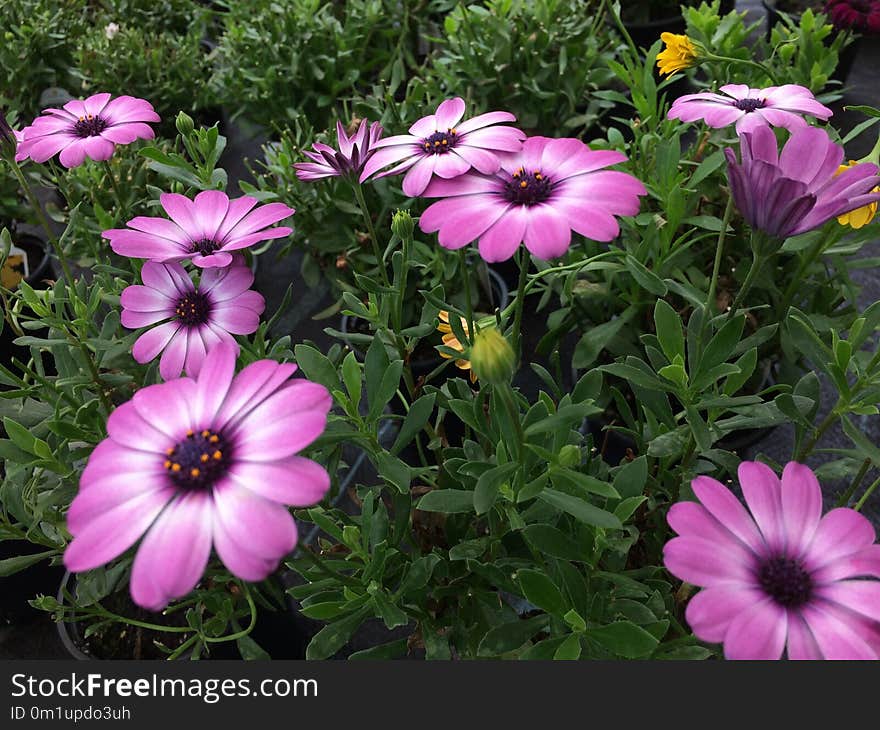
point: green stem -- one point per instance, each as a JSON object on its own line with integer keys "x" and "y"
{"x": 820, "y": 432}
{"x": 68, "y": 277}
{"x": 797, "y": 281}
{"x": 868, "y": 492}
{"x": 719, "y": 248}
{"x": 115, "y": 185}
{"x": 377, "y": 251}
{"x": 243, "y": 632}
{"x": 520, "y": 300}
{"x": 744, "y": 62}
{"x": 469, "y": 307}
{"x": 505, "y": 392}
{"x": 757, "y": 263}
{"x": 847, "y": 495}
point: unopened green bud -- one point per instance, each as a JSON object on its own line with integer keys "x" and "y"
{"x": 402, "y": 225}
{"x": 184, "y": 124}
{"x": 492, "y": 357}
{"x": 569, "y": 455}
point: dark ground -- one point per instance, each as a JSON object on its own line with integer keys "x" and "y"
{"x": 34, "y": 636}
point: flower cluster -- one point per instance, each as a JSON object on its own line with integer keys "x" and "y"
{"x": 861, "y": 16}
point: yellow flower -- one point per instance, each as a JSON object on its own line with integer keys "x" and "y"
{"x": 860, "y": 216}
{"x": 451, "y": 341}
{"x": 680, "y": 53}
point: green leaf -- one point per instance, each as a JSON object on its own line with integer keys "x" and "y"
{"x": 553, "y": 542}
{"x": 669, "y": 330}
{"x": 9, "y": 566}
{"x": 392, "y": 615}
{"x": 447, "y": 500}
{"x": 250, "y": 650}
{"x": 391, "y": 650}
{"x": 394, "y": 471}
{"x": 624, "y": 638}
{"x": 646, "y": 278}
{"x": 334, "y": 636}
{"x": 510, "y": 636}
{"x": 579, "y": 509}
{"x": 541, "y": 591}
{"x": 594, "y": 340}
{"x": 629, "y": 481}
{"x": 574, "y": 481}
{"x": 569, "y": 649}
{"x": 382, "y": 396}
{"x": 486, "y": 491}
{"x": 419, "y": 413}
{"x": 722, "y": 345}
{"x": 316, "y": 366}
{"x": 351, "y": 375}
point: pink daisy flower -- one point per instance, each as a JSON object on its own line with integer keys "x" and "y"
{"x": 196, "y": 318}
{"x": 539, "y": 195}
{"x": 88, "y": 128}
{"x": 196, "y": 463}
{"x": 206, "y": 230}
{"x": 441, "y": 144}
{"x": 776, "y": 106}
{"x": 350, "y": 159}
{"x": 778, "y": 576}
{"x": 798, "y": 189}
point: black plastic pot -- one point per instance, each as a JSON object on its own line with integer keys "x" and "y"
{"x": 646, "y": 33}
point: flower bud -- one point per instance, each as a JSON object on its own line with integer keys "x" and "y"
{"x": 569, "y": 455}
{"x": 184, "y": 124}
{"x": 492, "y": 358}
{"x": 402, "y": 225}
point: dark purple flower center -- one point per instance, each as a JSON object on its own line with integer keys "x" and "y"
{"x": 197, "y": 462}
{"x": 89, "y": 126}
{"x": 749, "y": 105}
{"x": 440, "y": 142}
{"x": 193, "y": 309}
{"x": 205, "y": 247}
{"x": 527, "y": 188}
{"x": 786, "y": 581}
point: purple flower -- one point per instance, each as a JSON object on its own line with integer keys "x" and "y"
{"x": 539, "y": 195}
{"x": 198, "y": 318}
{"x": 441, "y": 144}
{"x": 206, "y": 230}
{"x": 797, "y": 190}
{"x": 782, "y": 577}
{"x": 91, "y": 128}
{"x": 349, "y": 160}
{"x": 778, "y": 106}
{"x": 193, "y": 463}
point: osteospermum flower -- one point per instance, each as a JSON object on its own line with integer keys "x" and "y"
{"x": 207, "y": 230}
{"x": 196, "y": 318}
{"x": 348, "y": 160}
{"x": 779, "y": 576}
{"x": 778, "y": 106}
{"x": 196, "y": 463}
{"x": 88, "y": 128}
{"x": 441, "y": 144}
{"x": 680, "y": 53}
{"x": 452, "y": 342}
{"x": 797, "y": 190}
{"x": 860, "y": 216}
{"x": 553, "y": 186}
{"x": 862, "y": 16}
